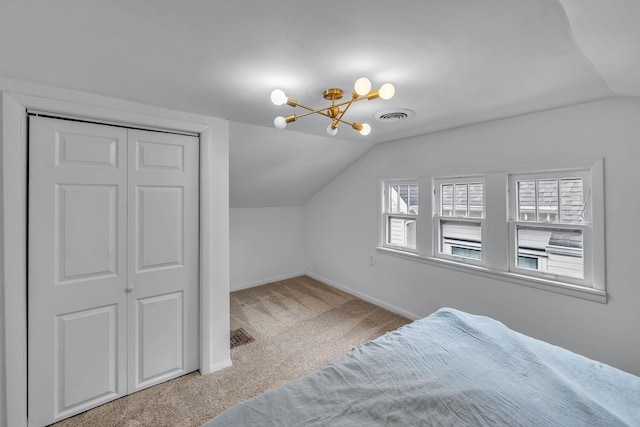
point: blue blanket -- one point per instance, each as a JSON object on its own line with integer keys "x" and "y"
{"x": 450, "y": 369}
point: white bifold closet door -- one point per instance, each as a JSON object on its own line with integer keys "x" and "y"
{"x": 113, "y": 263}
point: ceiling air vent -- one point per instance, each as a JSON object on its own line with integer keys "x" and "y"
{"x": 394, "y": 115}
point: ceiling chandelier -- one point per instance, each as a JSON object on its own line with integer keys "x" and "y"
{"x": 335, "y": 111}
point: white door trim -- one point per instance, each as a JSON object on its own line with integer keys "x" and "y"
{"x": 214, "y": 222}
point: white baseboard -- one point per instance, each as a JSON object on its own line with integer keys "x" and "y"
{"x": 365, "y": 297}
{"x": 246, "y": 285}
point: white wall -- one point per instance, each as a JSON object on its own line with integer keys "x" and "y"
{"x": 267, "y": 244}
{"x": 3, "y": 373}
{"x": 341, "y": 227}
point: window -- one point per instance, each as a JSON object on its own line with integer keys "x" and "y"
{"x": 458, "y": 218}
{"x": 400, "y": 214}
{"x": 541, "y": 227}
{"x": 551, "y": 224}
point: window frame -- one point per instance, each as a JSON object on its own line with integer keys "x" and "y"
{"x": 387, "y": 215}
{"x": 439, "y": 219}
{"x": 585, "y": 227}
{"x": 496, "y": 242}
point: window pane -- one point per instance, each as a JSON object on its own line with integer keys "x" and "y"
{"x": 528, "y": 262}
{"x": 548, "y": 200}
{"x": 447, "y": 200}
{"x": 462, "y": 200}
{"x": 396, "y": 232}
{"x": 402, "y": 232}
{"x": 393, "y": 198}
{"x": 403, "y": 200}
{"x": 466, "y": 252}
{"x": 413, "y": 199}
{"x": 556, "y": 251}
{"x": 461, "y": 238}
{"x": 571, "y": 203}
{"x": 526, "y": 201}
{"x": 476, "y": 200}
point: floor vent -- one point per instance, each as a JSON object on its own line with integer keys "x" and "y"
{"x": 239, "y": 337}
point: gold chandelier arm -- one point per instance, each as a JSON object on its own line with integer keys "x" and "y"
{"x": 332, "y": 105}
{"x": 312, "y": 110}
{"x": 322, "y": 111}
{"x": 326, "y": 115}
{"x": 360, "y": 98}
{"x": 339, "y": 116}
{"x": 344, "y": 121}
{"x": 347, "y": 123}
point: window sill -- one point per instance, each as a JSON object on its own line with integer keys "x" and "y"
{"x": 518, "y": 279}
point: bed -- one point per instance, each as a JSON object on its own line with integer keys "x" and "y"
{"x": 450, "y": 369}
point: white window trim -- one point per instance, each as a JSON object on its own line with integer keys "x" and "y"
{"x": 589, "y": 266}
{"x": 495, "y": 231}
{"x": 563, "y": 288}
{"x": 438, "y": 218}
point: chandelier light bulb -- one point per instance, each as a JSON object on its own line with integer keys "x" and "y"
{"x": 280, "y": 122}
{"x": 387, "y": 91}
{"x": 366, "y": 129}
{"x": 331, "y": 130}
{"x": 278, "y": 97}
{"x": 362, "y": 86}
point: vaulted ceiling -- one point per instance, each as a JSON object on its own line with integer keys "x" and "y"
{"x": 453, "y": 62}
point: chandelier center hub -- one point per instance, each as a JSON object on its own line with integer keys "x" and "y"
{"x": 333, "y": 94}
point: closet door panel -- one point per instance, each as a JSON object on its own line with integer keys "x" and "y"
{"x": 163, "y": 276}
{"x": 161, "y": 208}
{"x": 77, "y": 267}
{"x": 160, "y": 321}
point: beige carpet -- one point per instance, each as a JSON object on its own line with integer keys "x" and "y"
{"x": 299, "y": 325}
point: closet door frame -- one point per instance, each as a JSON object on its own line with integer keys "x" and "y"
{"x": 214, "y": 221}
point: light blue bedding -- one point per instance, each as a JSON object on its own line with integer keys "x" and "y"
{"x": 450, "y": 369}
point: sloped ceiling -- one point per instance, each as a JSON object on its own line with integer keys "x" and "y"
{"x": 608, "y": 34}
{"x": 453, "y": 62}
{"x": 290, "y": 167}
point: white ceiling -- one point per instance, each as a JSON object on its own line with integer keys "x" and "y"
{"x": 289, "y": 167}
{"x": 453, "y": 62}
